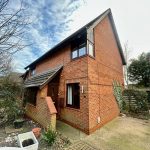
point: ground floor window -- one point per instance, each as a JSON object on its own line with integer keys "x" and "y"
{"x": 73, "y": 95}
{"x": 31, "y": 95}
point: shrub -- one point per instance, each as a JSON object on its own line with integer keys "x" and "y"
{"x": 118, "y": 94}
{"x": 140, "y": 100}
{"x": 148, "y": 96}
{"x": 10, "y": 99}
{"x": 49, "y": 136}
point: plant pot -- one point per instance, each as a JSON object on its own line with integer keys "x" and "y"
{"x": 37, "y": 132}
{"x": 18, "y": 123}
{"x": 28, "y": 141}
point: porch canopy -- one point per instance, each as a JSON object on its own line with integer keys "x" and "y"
{"x": 40, "y": 80}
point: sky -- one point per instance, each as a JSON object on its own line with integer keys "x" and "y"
{"x": 54, "y": 20}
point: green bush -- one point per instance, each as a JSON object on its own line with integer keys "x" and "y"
{"x": 49, "y": 136}
{"x": 10, "y": 99}
{"x": 141, "y": 100}
{"x": 148, "y": 96}
{"x": 117, "y": 88}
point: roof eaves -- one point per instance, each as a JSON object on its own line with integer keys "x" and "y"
{"x": 84, "y": 28}
{"x": 99, "y": 19}
{"x": 117, "y": 39}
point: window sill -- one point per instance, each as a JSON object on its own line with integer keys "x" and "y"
{"x": 73, "y": 59}
{"x": 93, "y": 57}
{"x": 71, "y": 108}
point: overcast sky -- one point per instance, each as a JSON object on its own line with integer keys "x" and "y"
{"x": 54, "y": 20}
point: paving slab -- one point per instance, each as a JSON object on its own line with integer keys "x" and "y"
{"x": 73, "y": 134}
{"x": 123, "y": 133}
{"x": 80, "y": 145}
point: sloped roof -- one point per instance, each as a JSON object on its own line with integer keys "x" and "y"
{"x": 81, "y": 31}
{"x": 42, "y": 79}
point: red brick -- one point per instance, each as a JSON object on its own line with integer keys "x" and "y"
{"x": 95, "y": 74}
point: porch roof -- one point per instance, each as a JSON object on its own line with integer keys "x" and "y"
{"x": 40, "y": 80}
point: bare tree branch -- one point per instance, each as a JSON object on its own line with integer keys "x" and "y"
{"x": 3, "y": 4}
{"x": 13, "y": 25}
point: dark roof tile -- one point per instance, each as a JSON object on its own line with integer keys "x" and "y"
{"x": 42, "y": 79}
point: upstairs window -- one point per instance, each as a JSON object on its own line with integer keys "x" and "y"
{"x": 73, "y": 95}
{"x": 78, "y": 51}
{"x": 82, "y": 50}
{"x": 74, "y": 54}
{"x": 91, "y": 49}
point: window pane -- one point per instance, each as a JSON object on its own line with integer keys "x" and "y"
{"x": 91, "y": 50}
{"x": 76, "y": 95}
{"x": 30, "y": 95}
{"x": 69, "y": 95}
{"x": 82, "y": 51}
{"x": 73, "y": 95}
{"x": 75, "y": 54}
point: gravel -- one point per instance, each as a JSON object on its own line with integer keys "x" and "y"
{"x": 10, "y": 140}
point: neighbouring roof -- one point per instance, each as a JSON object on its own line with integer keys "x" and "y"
{"x": 80, "y": 32}
{"x": 42, "y": 79}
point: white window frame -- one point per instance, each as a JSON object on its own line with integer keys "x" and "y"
{"x": 69, "y": 94}
{"x": 92, "y": 46}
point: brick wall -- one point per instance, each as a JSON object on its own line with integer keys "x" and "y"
{"x": 94, "y": 74}
{"x": 41, "y": 112}
{"x": 106, "y": 67}
{"x": 74, "y": 71}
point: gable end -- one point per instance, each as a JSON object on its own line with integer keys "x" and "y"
{"x": 91, "y": 27}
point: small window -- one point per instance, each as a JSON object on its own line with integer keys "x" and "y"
{"x": 30, "y": 95}
{"x": 91, "y": 49}
{"x": 82, "y": 51}
{"x": 75, "y": 54}
{"x": 73, "y": 95}
{"x": 78, "y": 50}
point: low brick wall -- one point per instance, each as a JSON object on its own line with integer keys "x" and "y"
{"x": 44, "y": 112}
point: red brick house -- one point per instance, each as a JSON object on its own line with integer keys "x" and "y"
{"x": 78, "y": 74}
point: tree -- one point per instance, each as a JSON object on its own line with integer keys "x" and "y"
{"x": 139, "y": 70}
{"x": 13, "y": 23}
